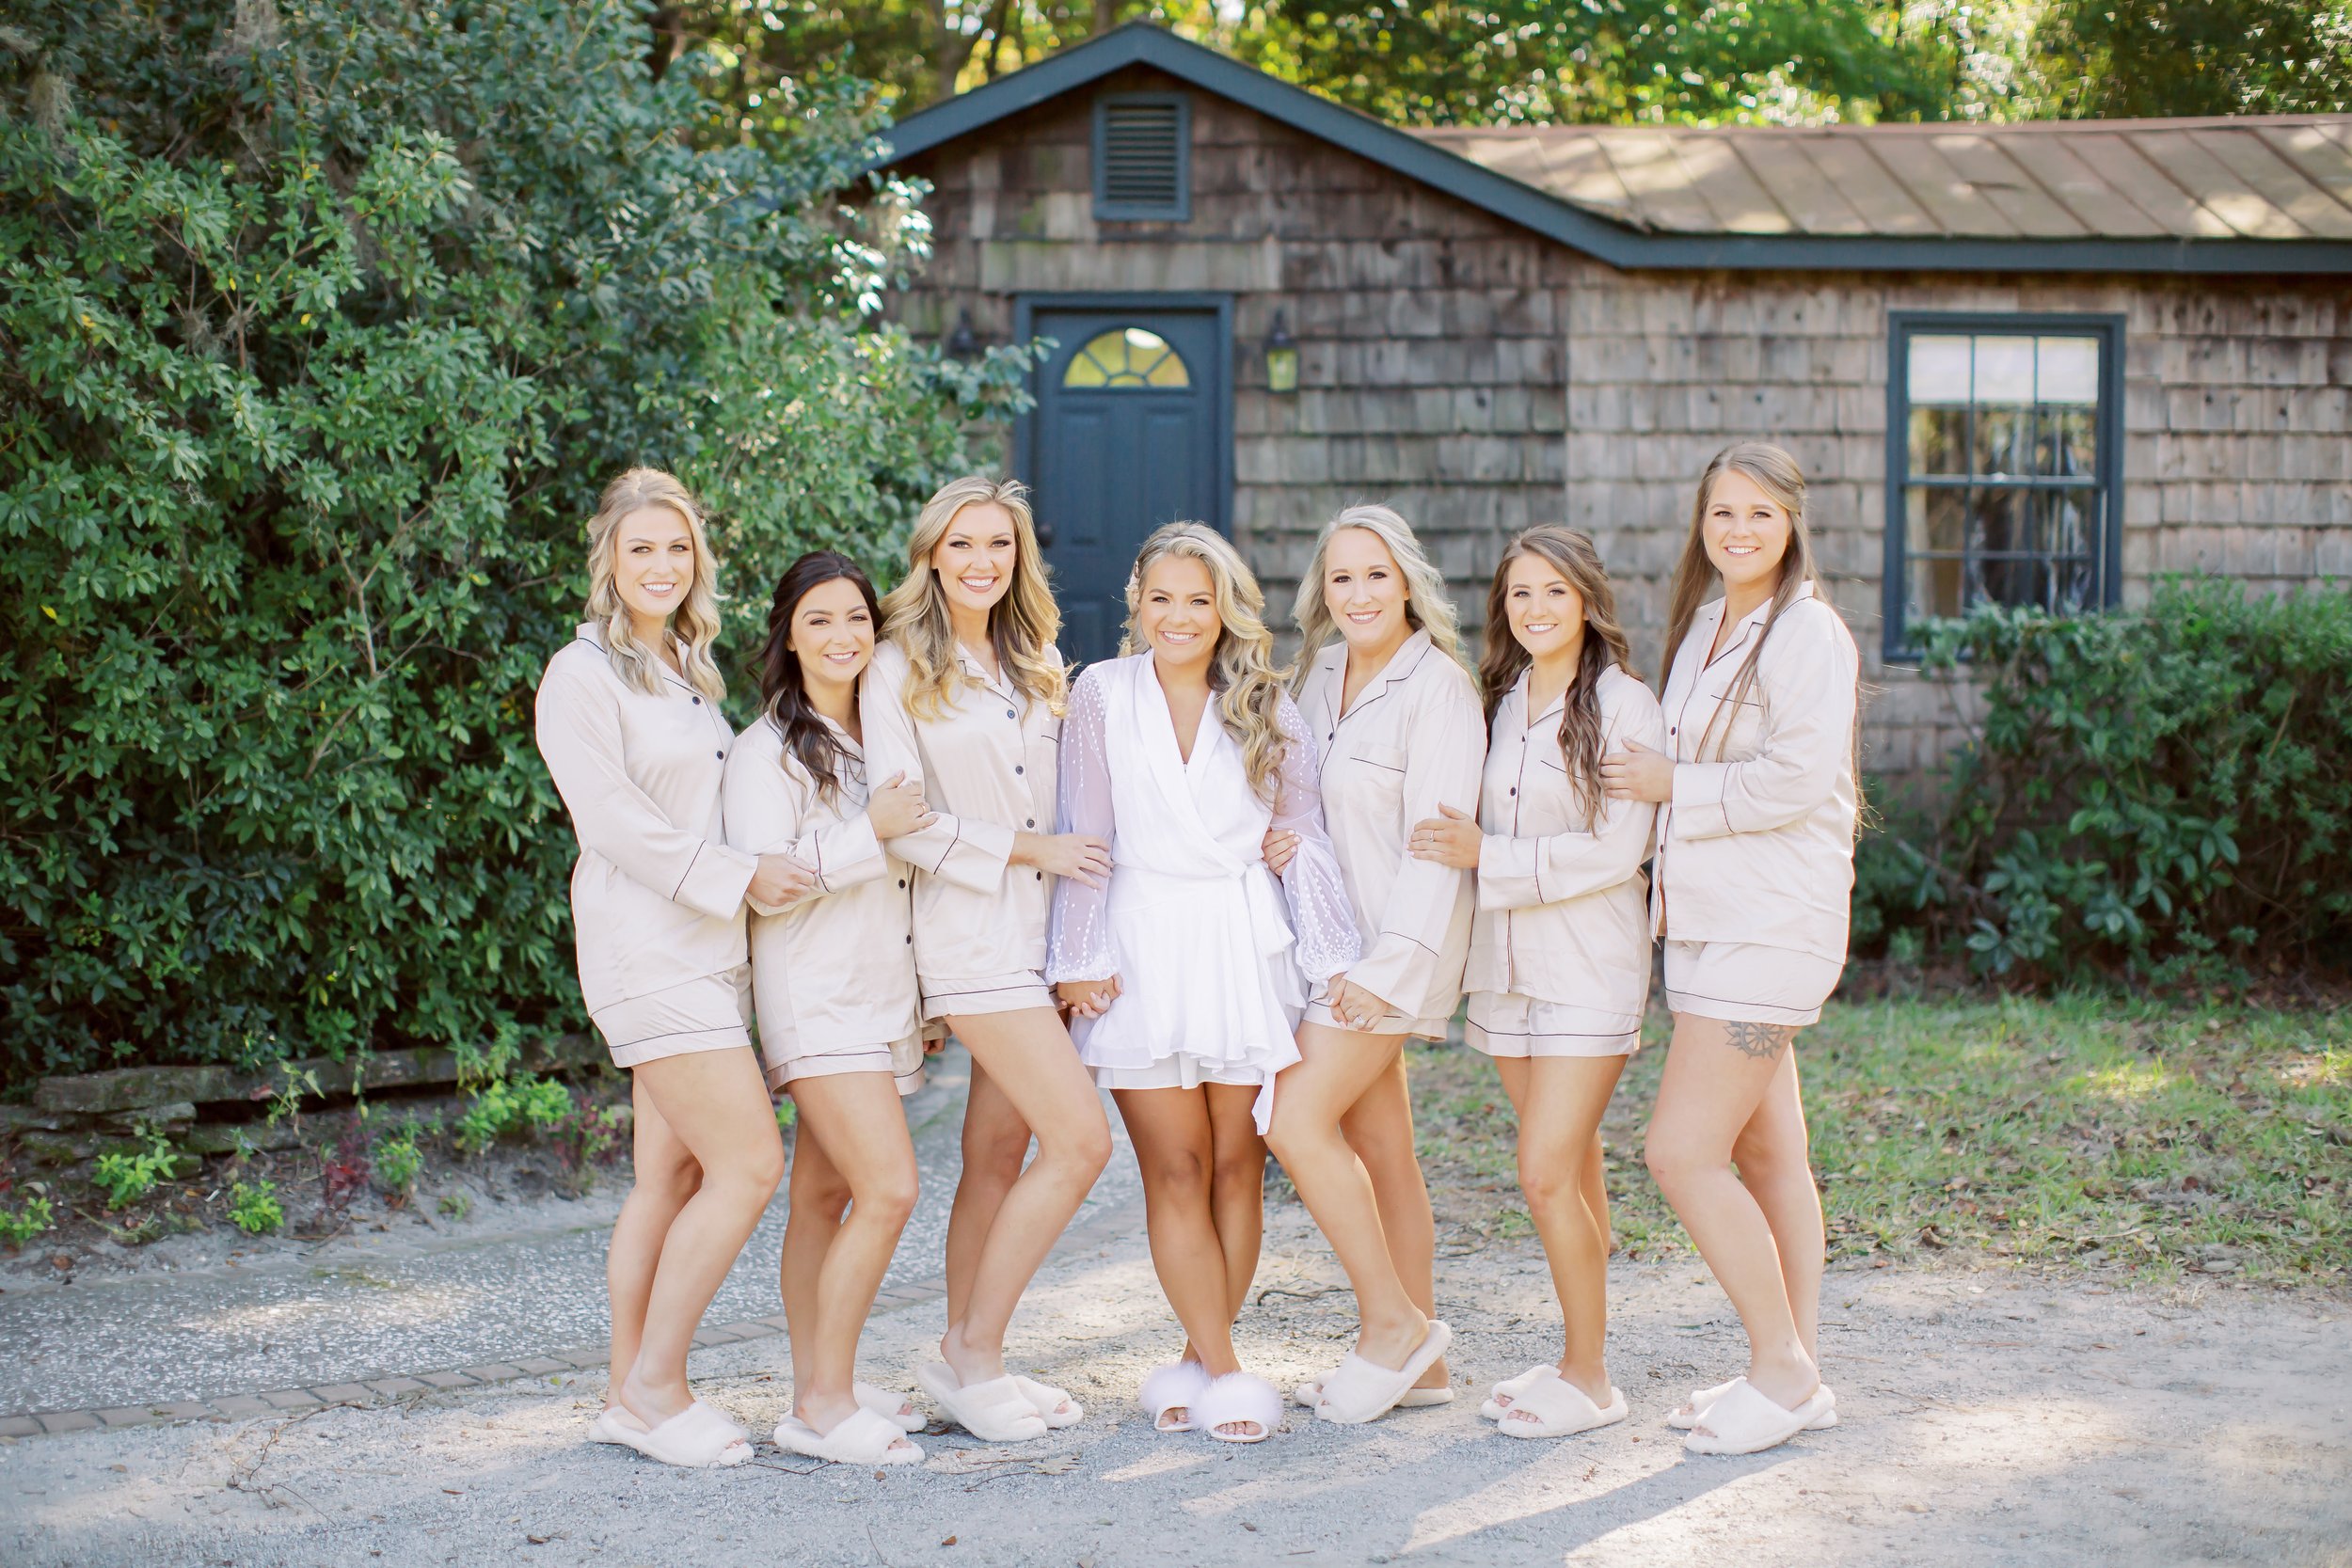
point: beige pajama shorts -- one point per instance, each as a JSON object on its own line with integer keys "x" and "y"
{"x": 988, "y": 993}
{"x": 902, "y": 1059}
{"x": 711, "y": 1012}
{"x": 1741, "y": 982}
{"x": 1504, "y": 1023}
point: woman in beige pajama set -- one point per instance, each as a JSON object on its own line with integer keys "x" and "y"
{"x": 833, "y": 982}
{"x": 1752, "y": 883}
{"x": 1398, "y": 721}
{"x": 964, "y": 699}
{"x": 1560, "y": 952}
{"x": 629, "y": 725}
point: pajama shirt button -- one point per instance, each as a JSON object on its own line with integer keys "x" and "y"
{"x": 721, "y": 755}
{"x": 1041, "y": 876}
{"x": 1032, "y": 821}
{"x": 698, "y": 701}
{"x": 902, "y": 881}
{"x": 1009, "y": 714}
{"x": 1018, "y": 769}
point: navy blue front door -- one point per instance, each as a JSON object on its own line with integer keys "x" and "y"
{"x": 1128, "y": 433}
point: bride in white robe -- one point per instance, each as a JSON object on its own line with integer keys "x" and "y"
{"x": 1186, "y": 975}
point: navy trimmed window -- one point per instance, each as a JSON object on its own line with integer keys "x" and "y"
{"x": 2004, "y": 466}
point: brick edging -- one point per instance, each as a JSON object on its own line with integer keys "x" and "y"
{"x": 389, "y": 1390}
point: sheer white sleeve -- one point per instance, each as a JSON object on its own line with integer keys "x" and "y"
{"x": 1079, "y": 947}
{"x": 1321, "y": 917}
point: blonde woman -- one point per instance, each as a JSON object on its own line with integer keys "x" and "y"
{"x": 1395, "y": 716}
{"x": 1186, "y": 976}
{"x": 1560, "y": 951}
{"x": 1753, "y": 883}
{"x": 965, "y": 698}
{"x": 629, "y": 723}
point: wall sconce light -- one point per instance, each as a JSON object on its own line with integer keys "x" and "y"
{"x": 964, "y": 343}
{"x": 1281, "y": 358}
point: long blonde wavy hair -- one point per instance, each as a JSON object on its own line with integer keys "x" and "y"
{"x": 1242, "y": 671}
{"x": 1427, "y": 605}
{"x": 696, "y": 623}
{"x": 1023, "y": 625}
{"x": 1582, "y": 732}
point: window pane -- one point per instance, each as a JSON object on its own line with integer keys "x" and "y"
{"x": 2003, "y": 441}
{"x": 2069, "y": 586}
{"x": 1937, "y": 521}
{"x": 1939, "y": 371}
{"x": 2004, "y": 370}
{"x": 1935, "y": 590}
{"x": 1126, "y": 358}
{"x": 2065, "y": 522}
{"x": 2067, "y": 371}
{"x": 1998, "y": 521}
{"x": 2067, "y": 442}
{"x": 1939, "y": 440}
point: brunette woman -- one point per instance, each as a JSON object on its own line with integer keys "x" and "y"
{"x": 965, "y": 699}
{"x": 1560, "y": 952}
{"x": 833, "y": 981}
{"x": 629, "y": 723}
{"x": 1188, "y": 974}
{"x": 1395, "y": 716}
{"x": 1753, "y": 883}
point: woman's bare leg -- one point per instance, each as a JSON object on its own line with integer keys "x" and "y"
{"x": 665, "y": 1178}
{"x": 819, "y": 1196}
{"x": 995, "y": 1143}
{"x": 1176, "y": 1156}
{"x": 1236, "y": 1185}
{"x": 1775, "y": 1161}
{"x": 716, "y": 1103}
{"x": 1380, "y": 1128}
{"x": 1717, "y": 1075}
{"x": 1560, "y": 1100}
{"x": 855, "y": 1118}
{"x": 1310, "y": 1096}
{"x": 1029, "y": 1057}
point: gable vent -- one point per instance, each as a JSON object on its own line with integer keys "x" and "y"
{"x": 1142, "y": 158}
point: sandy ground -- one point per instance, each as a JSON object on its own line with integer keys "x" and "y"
{"x": 1989, "y": 1418}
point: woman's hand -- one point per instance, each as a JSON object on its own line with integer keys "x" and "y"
{"x": 1353, "y": 1005}
{"x": 1280, "y": 849}
{"x": 1638, "y": 773}
{"x": 1450, "y": 839}
{"x": 1088, "y": 998}
{"x": 1078, "y": 856}
{"x": 897, "y": 808}
{"x": 780, "y": 880}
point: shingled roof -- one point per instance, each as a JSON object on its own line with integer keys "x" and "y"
{"x": 2270, "y": 178}
{"x": 2253, "y": 195}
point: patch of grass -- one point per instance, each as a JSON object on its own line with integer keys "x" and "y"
{"x": 2096, "y": 1130}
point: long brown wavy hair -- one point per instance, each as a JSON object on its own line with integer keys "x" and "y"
{"x": 782, "y": 697}
{"x": 1581, "y": 735}
{"x": 1777, "y": 475}
{"x": 1241, "y": 670}
{"x": 1023, "y": 625}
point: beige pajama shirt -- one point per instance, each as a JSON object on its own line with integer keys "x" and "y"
{"x": 1753, "y": 885}
{"x": 657, "y": 894}
{"x": 832, "y": 973}
{"x": 1560, "y": 949}
{"x": 1414, "y": 739}
{"x": 988, "y": 765}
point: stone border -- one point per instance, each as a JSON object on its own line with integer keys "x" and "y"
{"x": 386, "y": 1390}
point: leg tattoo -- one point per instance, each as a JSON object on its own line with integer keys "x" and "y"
{"x": 1759, "y": 1042}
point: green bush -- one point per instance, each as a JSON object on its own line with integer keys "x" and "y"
{"x": 397, "y": 1162}
{"x": 507, "y": 1104}
{"x": 320, "y": 327}
{"x": 2165, "y": 793}
{"x": 125, "y": 1179}
{"x": 254, "y": 1209}
{"x": 20, "y": 1226}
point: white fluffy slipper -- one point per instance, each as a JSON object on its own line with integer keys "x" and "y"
{"x": 1696, "y": 1412}
{"x": 1554, "y": 1407}
{"x": 995, "y": 1410}
{"x": 1177, "y": 1386}
{"x": 614, "y": 1424}
{"x": 1311, "y": 1394}
{"x": 864, "y": 1437}
{"x": 1745, "y": 1420}
{"x": 696, "y": 1438}
{"x": 1509, "y": 1388}
{"x": 1055, "y": 1406}
{"x": 1363, "y": 1390}
{"x": 1239, "y": 1400}
{"x": 897, "y": 1409}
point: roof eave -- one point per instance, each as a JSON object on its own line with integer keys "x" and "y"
{"x": 1604, "y": 239}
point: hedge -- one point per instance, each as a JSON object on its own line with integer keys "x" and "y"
{"x": 2163, "y": 795}
{"x": 320, "y": 326}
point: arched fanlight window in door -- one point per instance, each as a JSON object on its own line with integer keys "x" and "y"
{"x": 1126, "y": 360}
